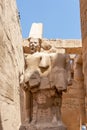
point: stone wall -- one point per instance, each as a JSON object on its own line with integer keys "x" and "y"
{"x": 83, "y": 16}
{"x": 11, "y": 65}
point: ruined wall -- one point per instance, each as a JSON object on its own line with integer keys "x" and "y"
{"x": 83, "y": 16}
{"x": 11, "y": 65}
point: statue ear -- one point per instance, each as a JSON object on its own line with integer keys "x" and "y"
{"x": 40, "y": 40}
{"x": 29, "y": 39}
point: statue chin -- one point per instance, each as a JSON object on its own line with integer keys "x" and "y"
{"x": 32, "y": 51}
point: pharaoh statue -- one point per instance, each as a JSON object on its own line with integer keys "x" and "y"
{"x": 46, "y": 77}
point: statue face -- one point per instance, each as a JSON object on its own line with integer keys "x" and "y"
{"x": 34, "y": 45}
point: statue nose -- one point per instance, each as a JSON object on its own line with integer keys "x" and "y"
{"x": 32, "y": 44}
{"x": 45, "y": 62}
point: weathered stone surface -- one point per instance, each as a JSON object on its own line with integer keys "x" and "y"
{"x": 11, "y": 65}
{"x": 83, "y": 17}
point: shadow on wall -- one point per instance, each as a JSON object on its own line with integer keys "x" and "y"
{"x": 1, "y": 128}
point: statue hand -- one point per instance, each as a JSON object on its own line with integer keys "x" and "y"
{"x": 34, "y": 80}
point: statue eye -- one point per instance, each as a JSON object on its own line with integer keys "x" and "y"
{"x": 35, "y": 42}
{"x": 30, "y": 43}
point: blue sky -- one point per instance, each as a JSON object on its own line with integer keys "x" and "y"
{"x": 60, "y": 18}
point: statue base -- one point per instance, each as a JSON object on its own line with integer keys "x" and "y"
{"x": 45, "y": 126}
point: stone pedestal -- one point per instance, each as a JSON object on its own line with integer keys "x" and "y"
{"x": 48, "y": 126}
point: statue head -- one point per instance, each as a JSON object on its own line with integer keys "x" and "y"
{"x": 34, "y": 45}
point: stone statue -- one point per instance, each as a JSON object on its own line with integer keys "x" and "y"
{"x": 46, "y": 76}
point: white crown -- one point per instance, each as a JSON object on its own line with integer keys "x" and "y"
{"x": 36, "y": 30}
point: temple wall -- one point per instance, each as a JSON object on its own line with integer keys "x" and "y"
{"x": 83, "y": 16}
{"x": 11, "y": 65}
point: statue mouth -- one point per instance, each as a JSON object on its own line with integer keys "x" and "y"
{"x": 44, "y": 69}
